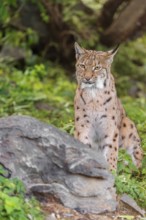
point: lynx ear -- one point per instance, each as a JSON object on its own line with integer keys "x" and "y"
{"x": 78, "y": 50}
{"x": 111, "y": 53}
{"x": 114, "y": 51}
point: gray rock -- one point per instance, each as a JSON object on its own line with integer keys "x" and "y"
{"x": 130, "y": 201}
{"x": 11, "y": 54}
{"x": 51, "y": 217}
{"x": 52, "y": 162}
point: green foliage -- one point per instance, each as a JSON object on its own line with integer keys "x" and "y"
{"x": 42, "y": 91}
{"x": 13, "y": 204}
{"x": 82, "y": 21}
{"x": 5, "y": 15}
{"x": 130, "y": 68}
{"x": 43, "y": 11}
{"x": 130, "y": 180}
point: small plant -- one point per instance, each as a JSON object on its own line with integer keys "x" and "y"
{"x": 13, "y": 203}
{"x": 130, "y": 180}
{"x": 126, "y": 217}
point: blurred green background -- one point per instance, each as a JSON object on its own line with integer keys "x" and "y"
{"x": 37, "y": 73}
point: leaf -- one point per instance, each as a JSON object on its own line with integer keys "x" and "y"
{"x": 12, "y": 204}
{"x": 128, "y": 217}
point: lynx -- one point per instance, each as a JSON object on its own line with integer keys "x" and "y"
{"x": 100, "y": 119}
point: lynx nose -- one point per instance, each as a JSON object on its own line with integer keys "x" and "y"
{"x": 87, "y": 78}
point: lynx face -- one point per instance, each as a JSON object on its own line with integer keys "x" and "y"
{"x": 92, "y": 68}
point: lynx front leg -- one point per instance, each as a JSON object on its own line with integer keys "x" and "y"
{"x": 110, "y": 150}
{"x": 130, "y": 140}
{"x": 82, "y": 133}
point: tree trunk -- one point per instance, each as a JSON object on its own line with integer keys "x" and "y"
{"x": 108, "y": 11}
{"x": 128, "y": 23}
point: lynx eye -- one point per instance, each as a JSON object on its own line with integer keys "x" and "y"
{"x": 82, "y": 66}
{"x": 97, "y": 67}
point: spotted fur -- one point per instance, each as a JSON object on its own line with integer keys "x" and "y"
{"x": 100, "y": 119}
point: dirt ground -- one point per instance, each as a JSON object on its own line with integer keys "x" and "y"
{"x": 55, "y": 211}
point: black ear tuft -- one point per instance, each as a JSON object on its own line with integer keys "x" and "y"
{"x": 111, "y": 53}
{"x": 114, "y": 51}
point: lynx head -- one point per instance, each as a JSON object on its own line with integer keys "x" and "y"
{"x": 93, "y": 67}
